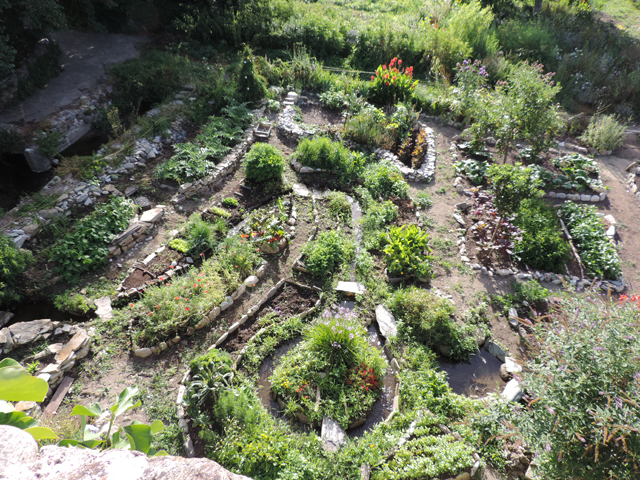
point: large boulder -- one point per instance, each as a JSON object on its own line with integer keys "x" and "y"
{"x": 20, "y": 460}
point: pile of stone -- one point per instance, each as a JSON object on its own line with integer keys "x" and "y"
{"x": 26, "y": 333}
{"x": 289, "y": 128}
{"x": 139, "y": 228}
{"x": 634, "y": 171}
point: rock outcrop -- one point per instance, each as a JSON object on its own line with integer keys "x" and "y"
{"x": 20, "y": 459}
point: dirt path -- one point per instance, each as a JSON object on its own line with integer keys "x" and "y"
{"x": 84, "y": 60}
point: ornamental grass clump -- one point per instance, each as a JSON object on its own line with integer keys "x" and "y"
{"x": 337, "y": 337}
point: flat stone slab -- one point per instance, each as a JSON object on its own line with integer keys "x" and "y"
{"x": 301, "y": 190}
{"x": 496, "y": 350}
{"x": 386, "y": 322}
{"x": 152, "y": 216}
{"x": 351, "y": 288}
{"x": 104, "y": 310}
{"x": 27, "y": 332}
{"x": 76, "y": 343}
{"x": 333, "y": 436}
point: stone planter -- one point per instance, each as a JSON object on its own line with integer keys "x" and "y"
{"x": 273, "y": 247}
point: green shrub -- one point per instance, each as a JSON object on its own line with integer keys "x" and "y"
{"x": 524, "y": 297}
{"x": 407, "y": 252}
{"x": 189, "y": 162}
{"x": 212, "y": 373}
{"x": 385, "y": 180}
{"x": 369, "y": 128}
{"x": 597, "y": 376}
{"x": 85, "y": 248}
{"x": 219, "y": 212}
{"x": 236, "y": 406}
{"x": 596, "y": 251}
{"x": 336, "y": 359}
{"x": 321, "y": 152}
{"x": 202, "y": 236}
{"x": 374, "y": 223}
{"x": 543, "y": 245}
{"x": 328, "y": 252}
{"x": 73, "y": 303}
{"x": 142, "y": 82}
{"x": 605, "y": 132}
{"x": 423, "y": 200}
{"x": 12, "y": 263}
{"x": 339, "y": 206}
{"x": 511, "y": 185}
{"x": 230, "y": 202}
{"x": 429, "y": 319}
{"x": 264, "y": 163}
{"x": 179, "y": 245}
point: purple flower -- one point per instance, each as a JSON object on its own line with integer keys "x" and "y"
{"x": 547, "y": 447}
{"x": 551, "y": 410}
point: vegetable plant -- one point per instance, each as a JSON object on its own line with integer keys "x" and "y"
{"x": 407, "y": 252}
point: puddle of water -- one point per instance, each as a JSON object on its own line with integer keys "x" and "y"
{"x": 477, "y": 378}
{"x": 42, "y": 310}
{"x": 266, "y": 370}
{"x": 88, "y": 144}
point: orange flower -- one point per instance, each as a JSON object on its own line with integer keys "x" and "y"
{"x": 131, "y": 304}
{"x": 371, "y": 77}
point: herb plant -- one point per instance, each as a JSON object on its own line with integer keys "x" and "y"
{"x": 407, "y": 252}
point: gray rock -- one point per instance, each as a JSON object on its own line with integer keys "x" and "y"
{"x": 386, "y": 322}
{"x": 37, "y": 162}
{"x": 49, "y": 213}
{"x": 239, "y": 291}
{"x": 496, "y": 350}
{"x": 307, "y": 170}
{"x": 462, "y": 206}
{"x": 5, "y": 318}
{"x": 503, "y": 272}
{"x": 490, "y": 141}
{"x": 19, "y": 240}
{"x": 251, "y": 281}
{"x": 459, "y": 219}
{"x": 55, "y": 463}
{"x": 513, "y": 318}
{"x": 143, "y": 203}
{"x": 513, "y": 391}
{"x": 227, "y": 302}
{"x": 152, "y": 216}
{"x": 27, "y": 332}
{"x": 143, "y": 352}
{"x": 351, "y": 288}
{"x": 511, "y": 365}
{"x": 333, "y": 436}
{"x": 130, "y": 190}
{"x": 104, "y": 310}
{"x": 17, "y": 447}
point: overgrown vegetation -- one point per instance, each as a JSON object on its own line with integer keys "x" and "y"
{"x": 12, "y": 263}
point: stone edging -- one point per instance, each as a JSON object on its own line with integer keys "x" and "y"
{"x": 289, "y": 128}
{"x": 297, "y": 263}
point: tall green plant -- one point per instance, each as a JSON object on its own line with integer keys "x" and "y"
{"x": 251, "y": 85}
{"x": 512, "y": 184}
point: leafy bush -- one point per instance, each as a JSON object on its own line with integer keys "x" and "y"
{"x": 236, "y": 406}
{"x": 475, "y": 170}
{"x": 321, "y": 152}
{"x": 582, "y": 417}
{"x": 369, "y": 128}
{"x": 339, "y": 206}
{"x": 511, "y": 184}
{"x": 85, "y": 248}
{"x": 605, "y": 132}
{"x": 202, "y": 236}
{"x": 522, "y": 107}
{"x": 429, "y": 319}
{"x": 596, "y": 251}
{"x": 407, "y": 252}
{"x": 230, "y": 202}
{"x": 264, "y": 163}
{"x": 189, "y": 162}
{"x": 48, "y": 142}
{"x": 328, "y": 252}
{"x": 393, "y": 84}
{"x": 12, "y": 263}
{"x": 423, "y": 200}
{"x": 524, "y": 297}
{"x": 384, "y": 180}
{"x": 73, "y": 303}
{"x": 543, "y": 245}
{"x": 375, "y": 221}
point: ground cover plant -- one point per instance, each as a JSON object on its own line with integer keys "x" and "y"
{"x": 321, "y": 152}
{"x": 429, "y": 320}
{"x": 85, "y": 247}
{"x": 542, "y": 244}
{"x": 326, "y": 254}
{"x": 13, "y": 262}
{"x": 596, "y": 251}
{"x": 384, "y": 180}
{"x": 335, "y": 345}
{"x": 604, "y": 132}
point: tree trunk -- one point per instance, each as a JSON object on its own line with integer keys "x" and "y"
{"x": 538, "y": 6}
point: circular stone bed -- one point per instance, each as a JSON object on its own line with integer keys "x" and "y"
{"x": 334, "y": 372}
